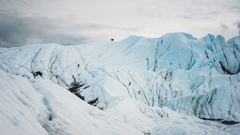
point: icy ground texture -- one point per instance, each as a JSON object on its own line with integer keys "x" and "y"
{"x": 197, "y": 77}
{"x": 40, "y": 107}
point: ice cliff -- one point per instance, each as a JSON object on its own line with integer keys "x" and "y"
{"x": 197, "y": 77}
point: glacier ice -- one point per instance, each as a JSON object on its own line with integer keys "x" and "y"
{"x": 197, "y": 77}
{"x": 38, "y": 106}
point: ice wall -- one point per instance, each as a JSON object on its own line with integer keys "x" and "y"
{"x": 194, "y": 76}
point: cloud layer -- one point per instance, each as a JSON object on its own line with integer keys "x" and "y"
{"x": 77, "y": 21}
{"x": 237, "y": 23}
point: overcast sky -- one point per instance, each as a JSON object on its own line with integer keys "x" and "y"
{"x": 69, "y": 22}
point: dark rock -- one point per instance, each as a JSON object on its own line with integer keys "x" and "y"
{"x": 211, "y": 119}
{"x": 36, "y": 73}
{"x": 86, "y": 87}
{"x": 231, "y": 122}
{"x": 50, "y": 117}
{"x": 93, "y": 101}
{"x": 75, "y": 86}
{"x": 80, "y": 96}
{"x": 74, "y": 89}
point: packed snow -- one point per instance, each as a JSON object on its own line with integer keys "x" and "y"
{"x": 135, "y": 86}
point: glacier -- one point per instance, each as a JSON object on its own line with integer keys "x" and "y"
{"x": 139, "y": 86}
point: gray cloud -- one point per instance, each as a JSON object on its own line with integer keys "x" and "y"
{"x": 224, "y": 26}
{"x": 5, "y": 44}
{"x": 18, "y": 31}
{"x": 237, "y": 23}
{"x": 77, "y": 21}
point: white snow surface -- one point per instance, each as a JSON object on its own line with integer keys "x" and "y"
{"x": 37, "y": 106}
{"x": 143, "y": 85}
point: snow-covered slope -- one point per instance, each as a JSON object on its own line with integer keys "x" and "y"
{"x": 37, "y": 106}
{"x": 198, "y": 77}
{"x": 41, "y": 107}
